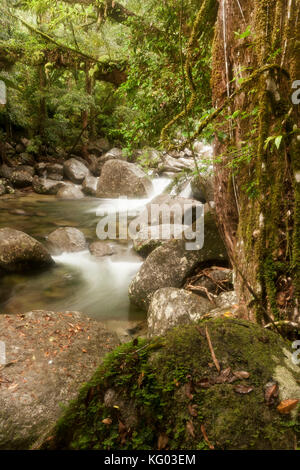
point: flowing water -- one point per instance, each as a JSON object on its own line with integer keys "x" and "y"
{"x": 78, "y": 281}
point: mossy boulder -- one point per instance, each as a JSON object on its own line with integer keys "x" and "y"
{"x": 168, "y": 394}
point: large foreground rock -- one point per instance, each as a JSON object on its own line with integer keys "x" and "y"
{"x": 119, "y": 178}
{"x": 169, "y": 394}
{"x": 170, "y": 264}
{"x": 20, "y": 252}
{"x": 170, "y": 307}
{"x": 67, "y": 239}
{"x": 48, "y": 356}
{"x": 75, "y": 170}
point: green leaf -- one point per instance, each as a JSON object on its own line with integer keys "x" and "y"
{"x": 278, "y": 141}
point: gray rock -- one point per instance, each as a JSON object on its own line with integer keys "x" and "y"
{"x": 212, "y": 278}
{"x": 20, "y": 252}
{"x": 89, "y": 185}
{"x": 75, "y": 170}
{"x": 6, "y": 171}
{"x": 203, "y": 187}
{"x": 42, "y": 376}
{"x": 119, "y": 178}
{"x": 53, "y": 171}
{"x": 70, "y": 191}
{"x": 170, "y": 307}
{"x": 66, "y": 239}
{"x": 113, "y": 154}
{"x": 227, "y": 299}
{"x": 149, "y": 238}
{"x": 171, "y": 264}
{"x": 100, "y": 249}
{"x": 179, "y": 209}
{"x": 98, "y": 146}
{"x": 46, "y": 186}
{"x": 21, "y": 178}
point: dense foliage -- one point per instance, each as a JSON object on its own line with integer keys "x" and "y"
{"x": 69, "y": 65}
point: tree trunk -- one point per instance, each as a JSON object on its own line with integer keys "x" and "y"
{"x": 257, "y": 174}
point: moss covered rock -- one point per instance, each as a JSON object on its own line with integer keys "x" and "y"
{"x": 168, "y": 394}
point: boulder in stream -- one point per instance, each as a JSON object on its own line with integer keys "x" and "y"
{"x": 89, "y": 185}
{"x": 75, "y": 170}
{"x": 171, "y": 307}
{"x": 70, "y": 191}
{"x": 48, "y": 356}
{"x": 19, "y": 252}
{"x": 66, "y": 239}
{"x": 21, "y": 178}
{"x": 100, "y": 249}
{"x": 119, "y": 178}
{"x": 46, "y": 186}
{"x": 171, "y": 264}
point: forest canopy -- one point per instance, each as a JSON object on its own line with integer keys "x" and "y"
{"x": 116, "y": 68}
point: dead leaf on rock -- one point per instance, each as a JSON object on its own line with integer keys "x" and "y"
{"x": 122, "y": 432}
{"x": 206, "y": 438}
{"x": 162, "y": 441}
{"x": 271, "y": 392}
{"x": 287, "y": 405}
{"x": 192, "y": 410}
{"x": 241, "y": 374}
{"x": 190, "y": 428}
{"x": 107, "y": 421}
{"x": 188, "y": 389}
{"x": 243, "y": 389}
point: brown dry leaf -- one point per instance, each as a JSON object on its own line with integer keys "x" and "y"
{"x": 107, "y": 421}
{"x": 162, "y": 441}
{"x": 287, "y": 405}
{"x": 190, "y": 428}
{"x": 206, "y": 438}
{"x": 271, "y": 392}
{"x": 188, "y": 389}
{"x": 241, "y": 374}
{"x": 140, "y": 379}
{"x": 122, "y": 432}
{"x": 192, "y": 410}
{"x": 204, "y": 383}
{"x": 243, "y": 389}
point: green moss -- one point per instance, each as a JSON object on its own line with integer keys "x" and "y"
{"x": 148, "y": 384}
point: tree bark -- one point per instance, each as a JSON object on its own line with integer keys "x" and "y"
{"x": 257, "y": 176}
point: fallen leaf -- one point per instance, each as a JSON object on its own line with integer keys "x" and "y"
{"x": 188, "y": 389}
{"x": 206, "y": 438}
{"x": 192, "y": 410}
{"x": 84, "y": 350}
{"x": 107, "y": 421}
{"x": 122, "y": 432}
{"x": 241, "y": 374}
{"x": 162, "y": 441}
{"x": 271, "y": 392}
{"x": 243, "y": 389}
{"x": 287, "y": 405}
{"x": 190, "y": 428}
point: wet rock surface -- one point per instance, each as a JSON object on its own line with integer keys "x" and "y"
{"x": 19, "y": 252}
{"x": 119, "y": 178}
{"x": 68, "y": 239}
{"x": 48, "y": 356}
